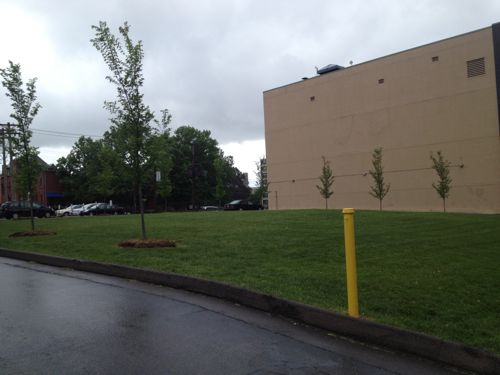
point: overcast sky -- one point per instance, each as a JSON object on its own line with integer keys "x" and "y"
{"x": 208, "y": 61}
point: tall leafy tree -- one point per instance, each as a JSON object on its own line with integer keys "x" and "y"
{"x": 220, "y": 176}
{"x": 132, "y": 118}
{"x": 236, "y": 181}
{"x": 442, "y": 168}
{"x": 102, "y": 182}
{"x": 25, "y": 107}
{"x": 193, "y": 173}
{"x": 380, "y": 188}
{"x": 326, "y": 179}
{"x": 91, "y": 171}
{"x": 161, "y": 161}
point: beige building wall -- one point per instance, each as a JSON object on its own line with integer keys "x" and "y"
{"x": 422, "y": 106}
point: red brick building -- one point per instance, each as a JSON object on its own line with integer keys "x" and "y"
{"x": 48, "y": 190}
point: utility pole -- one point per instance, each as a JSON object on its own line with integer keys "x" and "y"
{"x": 5, "y": 195}
{"x": 8, "y": 171}
{"x": 11, "y": 159}
{"x": 193, "y": 172}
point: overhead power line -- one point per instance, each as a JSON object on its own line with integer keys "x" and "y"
{"x": 63, "y": 134}
{"x": 55, "y": 133}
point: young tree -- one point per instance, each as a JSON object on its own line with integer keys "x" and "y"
{"x": 132, "y": 117}
{"x": 380, "y": 189}
{"x": 25, "y": 108}
{"x": 326, "y": 179}
{"x": 262, "y": 183}
{"x": 442, "y": 168}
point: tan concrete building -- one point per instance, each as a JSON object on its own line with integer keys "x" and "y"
{"x": 443, "y": 96}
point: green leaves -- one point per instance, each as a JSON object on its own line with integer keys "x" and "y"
{"x": 132, "y": 117}
{"x": 442, "y": 168}
{"x": 380, "y": 189}
{"x": 220, "y": 176}
{"x": 326, "y": 179}
{"x": 23, "y": 101}
{"x": 25, "y": 108}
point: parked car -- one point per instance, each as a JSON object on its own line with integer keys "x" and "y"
{"x": 72, "y": 210}
{"x": 85, "y": 208}
{"x": 242, "y": 204}
{"x": 103, "y": 209}
{"x": 209, "y": 208}
{"x": 16, "y": 209}
{"x": 78, "y": 209}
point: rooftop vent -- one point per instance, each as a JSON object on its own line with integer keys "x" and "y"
{"x": 329, "y": 68}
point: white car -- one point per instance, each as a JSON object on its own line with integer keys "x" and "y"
{"x": 71, "y": 210}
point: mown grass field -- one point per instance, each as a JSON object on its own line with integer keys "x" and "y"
{"x": 430, "y": 272}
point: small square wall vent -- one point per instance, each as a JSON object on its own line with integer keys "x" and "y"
{"x": 475, "y": 67}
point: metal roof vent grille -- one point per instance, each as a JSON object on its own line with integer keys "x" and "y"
{"x": 475, "y": 67}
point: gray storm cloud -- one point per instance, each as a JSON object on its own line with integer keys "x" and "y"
{"x": 208, "y": 62}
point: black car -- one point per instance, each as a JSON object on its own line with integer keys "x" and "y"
{"x": 16, "y": 209}
{"x": 242, "y": 204}
{"x": 103, "y": 209}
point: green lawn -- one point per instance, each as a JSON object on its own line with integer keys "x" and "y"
{"x": 430, "y": 272}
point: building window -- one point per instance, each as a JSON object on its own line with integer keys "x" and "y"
{"x": 435, "y": 58}
{"x": 380, "y": 81}
{"x": 475, "y": 67}
{"x": 312, "y": 98}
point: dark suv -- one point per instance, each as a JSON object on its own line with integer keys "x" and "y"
{"x": 16, "y": 209}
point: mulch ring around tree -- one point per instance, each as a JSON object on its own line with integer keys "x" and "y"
{"x": 147, "y": 243}
{"x": 32, "y": 233}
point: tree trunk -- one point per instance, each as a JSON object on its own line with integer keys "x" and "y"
{"x": 31, "y": 214}
{"x": 444, "y": 204}
{"x": 380, "y": 204}
{"x": 141, "y": 209}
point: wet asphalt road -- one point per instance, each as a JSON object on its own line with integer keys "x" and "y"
{"x": 58, "y": 321}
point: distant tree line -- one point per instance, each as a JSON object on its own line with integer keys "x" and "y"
{"x": 192, "y": 170}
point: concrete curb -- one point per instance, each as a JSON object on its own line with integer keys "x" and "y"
{"x": 433, "y": 348}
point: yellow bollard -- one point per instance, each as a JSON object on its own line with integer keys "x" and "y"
{"x": 350, "y": 260}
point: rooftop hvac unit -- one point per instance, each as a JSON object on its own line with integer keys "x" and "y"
{"x": 329, "y": 68}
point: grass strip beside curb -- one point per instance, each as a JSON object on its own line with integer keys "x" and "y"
{"x": 429, "y": 347}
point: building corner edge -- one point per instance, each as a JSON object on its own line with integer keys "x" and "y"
{"x": 495, "y": 28}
